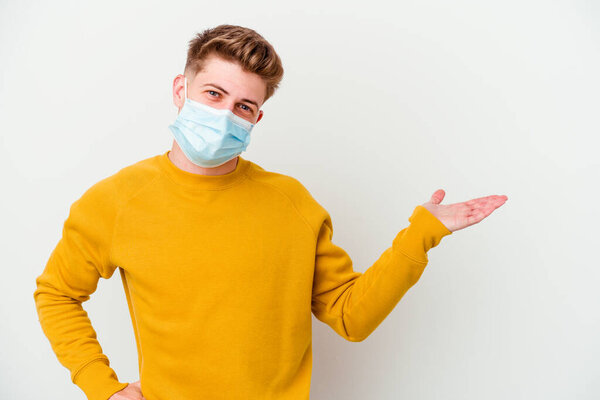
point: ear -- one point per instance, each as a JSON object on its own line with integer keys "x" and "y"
{"x": 178, "y": 91}
{"x": 260, "y": 115}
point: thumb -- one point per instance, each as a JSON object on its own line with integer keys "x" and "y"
{"x": 438, "y": 196}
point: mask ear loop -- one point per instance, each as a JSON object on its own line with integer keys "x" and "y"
{"x": 185, "y": 87}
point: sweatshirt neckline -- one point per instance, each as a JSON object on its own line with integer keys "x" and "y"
{"x": 199, "y": 181}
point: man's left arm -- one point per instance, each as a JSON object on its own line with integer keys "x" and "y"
{"x": 355, "y": 303}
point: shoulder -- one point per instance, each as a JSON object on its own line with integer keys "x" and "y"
{"x": 294, "y": 190}
{"x": 117, "y": 188}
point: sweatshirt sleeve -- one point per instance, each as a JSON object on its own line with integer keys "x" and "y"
{"x": 71, "y": 274}
{"x": 352, "y": 303}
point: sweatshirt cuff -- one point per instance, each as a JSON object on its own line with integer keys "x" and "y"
{"x": 424, "y": 232}
{"x": 98, "y": 380}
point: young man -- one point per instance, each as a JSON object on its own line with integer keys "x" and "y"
{"x": 222, "y": 262}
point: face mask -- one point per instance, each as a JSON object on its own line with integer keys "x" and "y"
{"x": 209, "y": 136}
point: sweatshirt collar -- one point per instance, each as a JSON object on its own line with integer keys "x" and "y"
{"x": 200, "y": 181}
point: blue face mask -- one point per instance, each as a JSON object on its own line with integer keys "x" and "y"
{"x": 209, "y": 136}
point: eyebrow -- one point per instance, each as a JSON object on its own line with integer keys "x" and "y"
{"x": 226, "y": 92}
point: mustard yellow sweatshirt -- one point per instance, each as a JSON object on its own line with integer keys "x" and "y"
{"x": 221, "y": 274}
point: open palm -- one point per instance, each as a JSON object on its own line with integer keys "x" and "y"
{"x": 461, "y": 215}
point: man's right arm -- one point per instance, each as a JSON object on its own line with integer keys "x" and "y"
{"x": 71, "y": 274}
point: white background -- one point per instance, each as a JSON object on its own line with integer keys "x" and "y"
{"x": 382, "y": 103}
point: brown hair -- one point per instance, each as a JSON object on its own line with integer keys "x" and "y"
{"x": 237, "y": 44}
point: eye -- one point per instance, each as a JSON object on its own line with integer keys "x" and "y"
{"x": 211, "y": 93}
{"x": 246, "y": 107}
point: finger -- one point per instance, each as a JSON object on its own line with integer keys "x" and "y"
{"x": 438, "y": 196}
{"x": 484, "y": 201}
{"x": 486, "y": 198}
{"x": 492, "y": 204}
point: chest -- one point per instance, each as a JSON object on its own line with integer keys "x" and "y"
{"x": 213, "y": 248}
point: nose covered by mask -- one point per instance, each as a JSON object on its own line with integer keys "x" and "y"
{"x": 209, "y": 136}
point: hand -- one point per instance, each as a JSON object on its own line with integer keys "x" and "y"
{"x": 461, "y": 215}
{"x": 133, "y": 391}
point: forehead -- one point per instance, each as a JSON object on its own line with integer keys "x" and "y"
{"x": 231, "y": 77}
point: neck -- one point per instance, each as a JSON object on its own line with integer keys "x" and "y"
{"x": 178, "y": 158}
